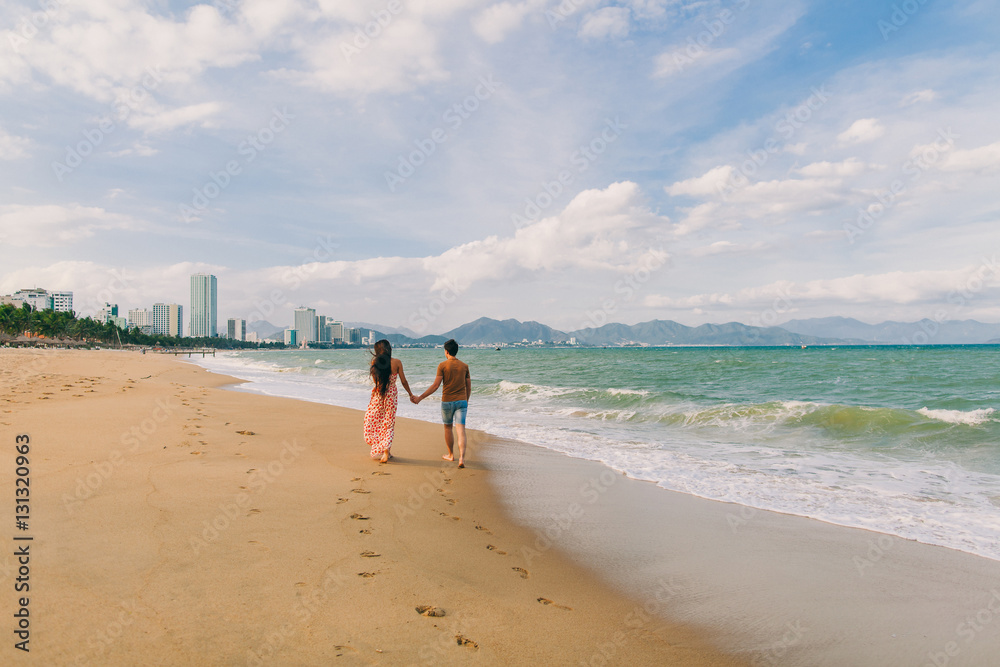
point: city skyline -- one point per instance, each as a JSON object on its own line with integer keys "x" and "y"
{"x": 540, "y": 160}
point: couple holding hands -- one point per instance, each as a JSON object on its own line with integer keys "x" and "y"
{"x": 380, "y": 418}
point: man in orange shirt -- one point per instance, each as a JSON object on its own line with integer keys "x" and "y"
{"x": 454, "y": 399}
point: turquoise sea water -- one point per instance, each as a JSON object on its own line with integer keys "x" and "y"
{"x": 901, "y": 440}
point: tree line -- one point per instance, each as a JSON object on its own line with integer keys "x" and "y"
{"x": 54, "y": 324}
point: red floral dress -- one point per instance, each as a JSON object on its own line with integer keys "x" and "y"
{"x": 380, "y": 419}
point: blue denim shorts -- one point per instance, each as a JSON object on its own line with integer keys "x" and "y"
{"x": 454, "y": 411}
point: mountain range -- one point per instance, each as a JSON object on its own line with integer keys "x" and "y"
{"x": 816, "y": 331}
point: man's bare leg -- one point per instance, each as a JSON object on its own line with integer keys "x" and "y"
{"x": 449, "y": 441}
{"x": 460, "y": 436}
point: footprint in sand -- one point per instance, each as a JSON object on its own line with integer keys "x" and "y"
{"x": 246, "y": 433}
{"x": 465, "y": 641}
{"x": 367, "y": 575}
{"x": 521, "y": 572}
{"x": 341, "y": 501}
{"x": 493, "y": 548}
{"x": 355, "y": 479}
{"x": 484, "y": 529}
{"x": 370, "y": 554}
{"x": 358, "y": 517}
{"x": 300, "y": 584}
{"x": 379, "y": 472}
{"x": 253, "y": 511}
{"x": 359, "y": 491}
{"x": 195, "y": 453}
{"x": 450, "y": 501}
{"x": 365, "y": 531}
{"x": 557, "y": 606}
{"x": 427, "y": 610}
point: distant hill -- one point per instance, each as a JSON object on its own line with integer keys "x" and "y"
{"x": 924, "y": 332}
{"x": 486, "y": 330}
{"x": 265, "y": 330}
{"x": 668, "y": 332}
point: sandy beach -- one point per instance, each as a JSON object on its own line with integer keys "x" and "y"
{"x": 173, "y": 522}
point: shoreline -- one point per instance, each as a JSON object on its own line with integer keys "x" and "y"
{"x": 751, "y": 578}
{"x": 177, "y": 521}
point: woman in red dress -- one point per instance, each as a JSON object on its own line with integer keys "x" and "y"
{"x": 380, "y": 418}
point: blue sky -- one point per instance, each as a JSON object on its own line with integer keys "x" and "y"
{"x": 571, "y": 162}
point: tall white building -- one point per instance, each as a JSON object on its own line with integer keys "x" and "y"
{"x": 107, "y": 313}
{"x": 38, "y": 299}
{"x": 291, "y": 338}
{"x": 167, "y": 319}
{"x": 62, "y": 301}
{"x": 236, "y": 329}
{"x": 141, "y": 319}
{"x": 305, "y": 324}
{"x": 204, "y": 306}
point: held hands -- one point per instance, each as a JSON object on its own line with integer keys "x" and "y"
{"x": 414, "y": 399}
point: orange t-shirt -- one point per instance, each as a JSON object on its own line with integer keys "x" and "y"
{"x": 454, "y": 373}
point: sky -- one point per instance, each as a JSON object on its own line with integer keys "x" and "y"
{"x": 422, "y": 163}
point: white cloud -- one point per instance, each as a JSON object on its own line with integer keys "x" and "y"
{"x": 708, "y": 184}
{"x": 606, "y": 23}
{"x": 860, "y": 132}
{"x": 973, "y": 159}
{"x": 496, "y": 21}
{"x": 53, "y": 225}
{"x": 165, "y": 120}
{"x": 891, "y": 288}
{"x": 849, "y": 167}
{"x": 918, "y": 97}
{"x": 13, "y": 147}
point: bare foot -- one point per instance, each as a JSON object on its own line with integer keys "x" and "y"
{"x": 461, "y": 464}
{"x": 448, "y": 457}
{"x": 385, "y": 458}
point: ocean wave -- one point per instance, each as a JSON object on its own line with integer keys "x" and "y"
{"x": 970, "y": 418}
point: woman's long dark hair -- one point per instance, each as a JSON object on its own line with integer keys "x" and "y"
{"x": 381, "y": 368}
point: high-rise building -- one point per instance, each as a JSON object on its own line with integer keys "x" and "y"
{"x": 107, "y": 312}
{"x": 38, "y": 299}
{"x": 140, "y": 318}
{"x": 305, "y": 324}
{"x": 204, "y": 306}
{"x": 62, "y": 301}
{"x": 167, "y": 319}
{"x": 252, "y": 337}
{"x": 352, "y": 336}
{"x": 236, "y": 329}
{"x": 336, "y": 331}
{"x": 291, "y": 340}
{"x": 120, "y": 322}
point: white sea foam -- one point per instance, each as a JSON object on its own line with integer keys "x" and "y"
{"x": 971, "y": 418}
{"x": 731, "y": 452}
